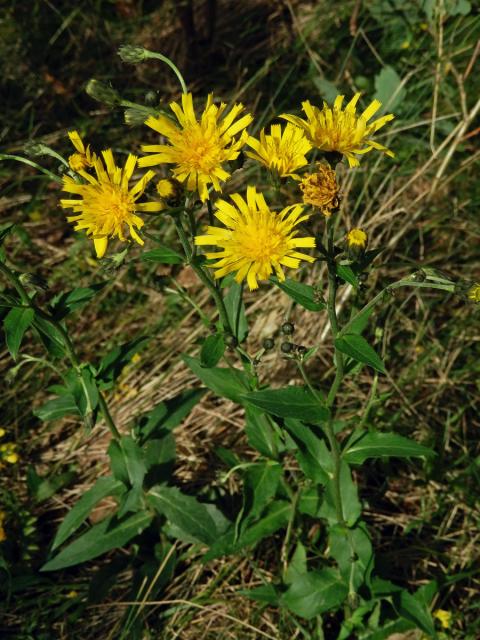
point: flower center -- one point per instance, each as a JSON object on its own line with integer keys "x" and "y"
{"x": 202, "y": 149}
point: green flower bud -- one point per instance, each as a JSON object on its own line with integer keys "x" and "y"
{"x": 132, "y": 54}
{"x": 286, "y": 347}
{"x": 102, "y": 92}
{"x": 287, "y": 328}
{"x": 268, "y": 344}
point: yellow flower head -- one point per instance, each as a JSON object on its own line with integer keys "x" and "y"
{"x": 444, "y": 617}
{"x": 473, "y": 293}
{"x": 106, "y": 204}
{"x": 198, "y": 148}
{"x": 357, "y": 239}
{"x": 8, "y": 452}
{"x": 2, "y": 432}
{"x": 321, "y": 190}
{"x": 84, "y": 158}
{"x": 256, "y": 241}
{"x": 334, "y": 129}
{"x": 281, "y": 151}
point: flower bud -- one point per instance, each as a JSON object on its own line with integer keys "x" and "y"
{"x": 287, "y": 328}
{"x": 171, "y": 191}
{"x": 473, "y": 293}
{"x": 102, "y": 92}
{"x": 268, "y": 344}
{"x": 356, "y": 241}
{"x": 286, "y": 347}
{"x": 132, "y": 54}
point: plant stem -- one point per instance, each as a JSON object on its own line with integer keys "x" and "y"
{"x": 167, "y": 61}
{"x": 332, "y": 316}
{"x": 204, "y": 277}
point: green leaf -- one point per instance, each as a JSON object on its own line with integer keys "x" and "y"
{"x": 313, "y": 456}
{"x": 185, "y": 512}
{"x": 315, "y": 592}
{"x": 106, "y": 486}
{"x": 415, "y": 611}
{"x": 359, "y": 323}
{"x": 106, "y": 535}
{"x": 347, "y": 274}
{"x": 266, "y": 594}
{"x": 162, "y": 255}
{"x": 134, "y": 461}
{"x": 304, "y": 294}
{"x": 289, "y": 402}
{"x": 168, "y": 414}
{"x": 297, "y": 566}
{"x": 367, "y": 444}
{"x": 51, "y": 337}
{"x": 228, "y": 383}
{"x": 261, "y": 483}
{"x": 65, "y": 303}
{"x": 44, "y": 488}
{"x": 236, "y": 311}
{"x": 358, "y": 348}
{"x": 261, "y": 433}
{"x": 352, "y": 550}
{"x": 117, "y": 462}
{"x": 57, "y": 408}
{"x": 352, "y": 507}
{"x": 212, "y": 350}
{"x": 388, "y": 89}
{"x": 275, "y": 518}
{"x": 15, "y": 323}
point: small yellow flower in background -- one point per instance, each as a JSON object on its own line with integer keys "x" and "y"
{"x": 136, "y": 358}
{"x": 444, "y": 617}
{"x": 280, "y": 151}
{"x": 342, "y": 130}
{"x": 198, "y": 148}
{"x": 256, "y": 241}
{"x": 357, "y": 238}
{"x": 473, "y": 293}
{"x": 107, "y": 205}
{"x": 72, "y": 594}
{"x": 320, "y": 189}
{"x": 171, "y": 191}
{"x": 84, "y": 158}
{"x": 35, "y": 215}
{"x": 8, "y": 452}
{"x": 2, "y": 432}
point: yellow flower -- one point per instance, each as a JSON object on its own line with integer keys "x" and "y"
{"x": 8, "y": 452}
{"x": 2, "y": 432}
{"x": 357, "y": 239}
{"x": 473, "y": 293}
{"x": 444, "y": 617}
{"x": 256, "y": 241}
{"x": 107, "y": 205}
{"x": 198, "y": 148}
{"x": 321, "y": 190}
{"x": 283, "y": 152}
{"x": 84, "y": 158}
{"x": 334, "y": 129}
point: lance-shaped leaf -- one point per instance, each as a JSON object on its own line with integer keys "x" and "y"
{"x": 357, "y": 347}
{"x": 106, "y": 535}
{"x": 365, "y": 444}
{"x": 16, "y": 322}
{"x": 289, "y": 402}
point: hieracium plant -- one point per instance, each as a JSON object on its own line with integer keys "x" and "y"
{"x": 298, "y": 489}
